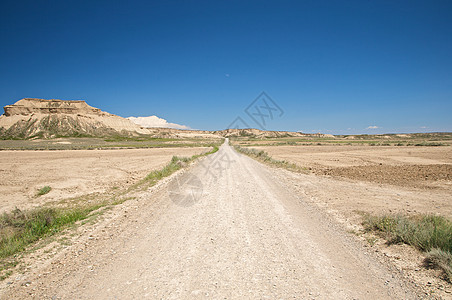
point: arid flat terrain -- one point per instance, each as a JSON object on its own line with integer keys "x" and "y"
{"x": 247, "y": 235}
{"x": 414, "y": 166}
{"x": 72, "y": 173}
{"x": 247, "y": 230}
{"x": 408, "y": 180}
{"x": 348, "y": 156}
{"x": 349, "y": 182}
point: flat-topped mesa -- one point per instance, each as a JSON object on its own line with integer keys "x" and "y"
{"x": 28, "y": 106}
{"x": 40, "y": 118}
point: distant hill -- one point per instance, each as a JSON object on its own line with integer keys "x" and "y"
{"x": 32, "y": 118}
{"x": 40, "y": 118}
{"x": 257, "y": 133}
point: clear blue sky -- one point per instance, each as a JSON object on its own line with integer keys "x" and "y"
{"x": 331, "y": 66}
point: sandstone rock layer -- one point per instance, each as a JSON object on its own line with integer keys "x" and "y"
{"x": 40, "y": 118}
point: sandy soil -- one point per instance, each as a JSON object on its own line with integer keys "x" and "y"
{"x": 72, "y": 173}
{"x": 249, "y": 235}
{"x": 420, "y": 167}
{"x": 347, "y": 156}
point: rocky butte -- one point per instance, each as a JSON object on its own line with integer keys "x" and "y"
{"x": 41, "y": 118}
{"x": 28, "y": 106}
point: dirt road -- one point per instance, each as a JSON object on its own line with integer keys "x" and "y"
{"x": 246, "y": 236}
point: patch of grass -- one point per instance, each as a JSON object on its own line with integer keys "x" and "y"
{"x": 44, "y": 190}
{"x": 441, "y": 259}
{"x": 428, "y": 233}
{"x": 431, "y": 144}
{"x": 89, "y": 143}
{"x": 8, "y": 264}
{"x": 354, "y": 232}
{"x": 21, "y": 228}
{"x": 175, "y": 164}
{"x": 371, "y": 240}
{"x": 264, "y": 157}
{"x": 6, "y": 275}
{"x": 122, "y": 138}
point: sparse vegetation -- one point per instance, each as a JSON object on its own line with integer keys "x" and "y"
{"x": 140, "y": 138}
{"x": 116, "y": 142}
{"x": 431, "y": 144}
{"x": 441, "y": 259}
{"x": 413, "y": 139}
{"x": 428, "y": 233}
{"x": 6, "y": 275}
{"x": 21, "y": 228}
{"x": 264, "y": 157}
{"x": 44, "y": 190}
{"x": 175, "y": 164}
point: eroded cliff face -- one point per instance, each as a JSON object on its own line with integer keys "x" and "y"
{"x": 29, "y": 106}
{"x": 30, "y": 117}
{"x": 257, "y": 133}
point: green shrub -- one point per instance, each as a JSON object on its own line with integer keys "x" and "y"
{"x": 21, "y": 228}
{"x": 428, "y": 233}
{"x": 44, "y": 190}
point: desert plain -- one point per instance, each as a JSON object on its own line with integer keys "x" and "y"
{"x": 309, "y": 219}
{"x": 74, "y": 173}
